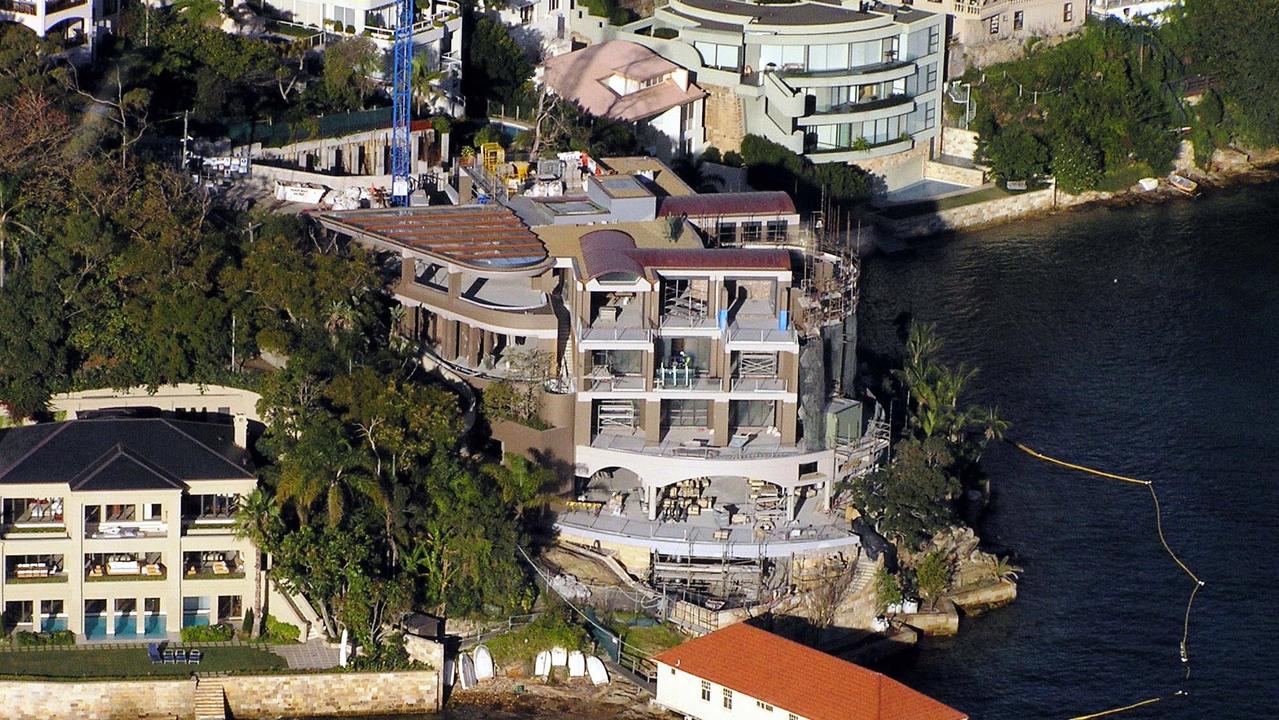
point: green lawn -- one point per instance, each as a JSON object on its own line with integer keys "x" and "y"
{"x": 131, "y": 662}
{"x": 1125, "y": 177}
{"x": 897, "y": 212}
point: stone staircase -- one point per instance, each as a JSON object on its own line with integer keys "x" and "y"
{"x": 210, "y": 700}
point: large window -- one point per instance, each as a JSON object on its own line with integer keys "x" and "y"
{"x": 776, "y": 231}
{"x": 686, "y": 413}
{"x": 828, "y": 57}
{"x": 685, "y": 352}
{"x": 728, "y": 699}
{"x": 618, "y": 362}
{"x": 782, "y": 56}
{"x": 724, "y": 57}
{"x": 994, "y": 25}
{"x": 934, "y": 39}
{"x": 1067, "y": 12}
{"x": 751, "y": 413}
{"x": 706, "y": 691}
{"x": 1019, "y": 20}
{"x": 930, "y": 78}
{"x": 726, "y": 233}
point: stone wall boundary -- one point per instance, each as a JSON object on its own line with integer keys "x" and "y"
{"x": 989, "y": 212}
{"x": 249, "y": 697}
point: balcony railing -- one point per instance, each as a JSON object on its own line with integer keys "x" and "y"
{"x": 57, "y": 6}
{"x": 737, "y": 333}
{"x": 21, "y": 8}
{"x": 127, "y": 529}
{"x": 865, "y": 105}
{"x": 126, "y": 570}
{"x": 616, "y": 334}
{"x": 38, "y": 572}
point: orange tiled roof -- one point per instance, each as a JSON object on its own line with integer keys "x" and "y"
{"x": 799, "y": 679}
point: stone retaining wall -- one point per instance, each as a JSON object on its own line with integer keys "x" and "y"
{"x": 392, "y": 693}
{"x": 970, "y": 176}
{"x": 249, "y": 696}
{"x": 986, "y": 213}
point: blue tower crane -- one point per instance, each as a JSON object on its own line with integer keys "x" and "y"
{"x": 402, "y": 97}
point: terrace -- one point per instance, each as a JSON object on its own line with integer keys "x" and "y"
{"x": 713, "y": 516}
{"x": 23, "y": 569}
{"x": 221, "y": 565}
{"x": 103, "y": 567}
{"x": 124, "y": 521}
{"x": 33, "y": 515}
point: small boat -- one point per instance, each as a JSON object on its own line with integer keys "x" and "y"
{"x": 1148, "y": 184}
{"x": 576, "y": 664}
{"x": 595, "y": 668}
{"x": 542, "y": 666}
{"x": 559, "y": 657}
{"x": 1183, "y": 184}
{"x": 483, "y": 664}
{"x": 466, "y": 672}
{"x": 450, "y": 671}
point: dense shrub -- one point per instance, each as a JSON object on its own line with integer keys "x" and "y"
{"x": 280, "y": 632}
{"x": 26, "y": 638}
{"x": 554, "y": 628}
{"x": 207, "y": 633}
{"x": 772, "y": 167}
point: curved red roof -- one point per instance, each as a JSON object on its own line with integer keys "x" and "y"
{"x": 605, "y": 252}
{"x": 773, "y": 202}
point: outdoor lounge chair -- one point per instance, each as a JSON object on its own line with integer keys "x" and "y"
{"x": 153, "y": 652}
{"x": 181, "y": 656}
{"x": 195, "y": 656}
{"x": 170, "y": 656}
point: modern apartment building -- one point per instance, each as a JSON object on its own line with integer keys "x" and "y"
{"x": 687, "y": 340}
{"x": 977, "y": 22}
{"x": 437, "y": 31}
{"x": 539, "y": 25}
{"x": 851, "y": 82}
{"x": 119, "y": 526}
{"x": 70, "y": 21}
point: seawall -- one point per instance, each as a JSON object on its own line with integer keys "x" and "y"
{"x": 248, "y": 696}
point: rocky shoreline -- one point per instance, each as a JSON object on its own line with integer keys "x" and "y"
{"x": 1229, "y": 168}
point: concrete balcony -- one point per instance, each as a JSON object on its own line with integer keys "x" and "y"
{"x": 761, "y": 334}
{"x": 864, "y": 75}
{"x": 862, "y": 111}
{"x": 126, "y": 529}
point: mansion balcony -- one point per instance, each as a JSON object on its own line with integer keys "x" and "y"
{"x": 218, "y": 565}
{"x": 33, "y": 516}
{"x": 105, "y": 567}
{"x": 710, "y": 516}
{"x": 33, "y": 569}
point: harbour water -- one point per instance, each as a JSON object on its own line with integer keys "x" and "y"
{"x": 1142, "y": 340}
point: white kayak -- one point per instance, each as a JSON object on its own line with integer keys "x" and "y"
{"x": 466, "y": 672}
{"x": 595, "y": 668}
{"x": 542, "y": 667}
{"x": 576, "y": 664}
{"x": 483, "y": 664}
{"x": 559, "y": 657}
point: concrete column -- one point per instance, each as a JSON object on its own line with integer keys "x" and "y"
{"x": 788, "y": 422}
{"x": 650, "y": 496}
{"x": 826, "y": 494}
{"x": 719, "y": 423}
{"x": 110, "y": 617}
{"x": 790, "y": 503}
{"x": 653, "y": 421}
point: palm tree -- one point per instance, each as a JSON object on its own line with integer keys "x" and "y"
{"x": 257, "y": 520}
{"x": 324, "y": 469}
{"x": 10, "y": 202}
{"x": 424, "y": 81}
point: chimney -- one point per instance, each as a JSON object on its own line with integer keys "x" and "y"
{"x": 241, "y": 423}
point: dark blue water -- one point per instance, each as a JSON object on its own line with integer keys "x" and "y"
{"x": 1145, "y": 341}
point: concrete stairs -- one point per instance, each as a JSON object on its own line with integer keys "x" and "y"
{"x": 210, "y": 700}
{"x": 863, "y": 576}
